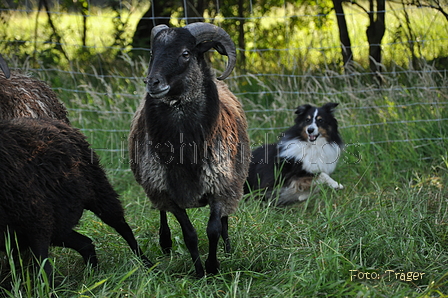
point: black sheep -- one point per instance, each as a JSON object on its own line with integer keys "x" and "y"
{"x": 25, "y": 96}
{"x": 48, "y": 176}
{"x": 188, "y": 142}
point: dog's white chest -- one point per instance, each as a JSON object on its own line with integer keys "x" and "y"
{"x": 316, "y": 157}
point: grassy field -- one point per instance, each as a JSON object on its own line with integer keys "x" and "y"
{"x": 384, "y": 235}
{"x": 389, "y": 224}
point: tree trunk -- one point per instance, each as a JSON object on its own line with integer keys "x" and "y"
{"x": 241, "y": 40}
{"x": 58, "y": 40}
{"x": 84, "y": 29}
{"x": 375, "y": 33}
{"x": 195, "y": 11}
{"x": 160, "y": 13}
{"x": 347, "y": 54}
{"x": 84, "y": 8}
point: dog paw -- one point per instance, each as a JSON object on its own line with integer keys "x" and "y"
{"x": 337, "y": 186}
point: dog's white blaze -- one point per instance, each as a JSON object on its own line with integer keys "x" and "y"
{"x": 316, "y": 157}
{"x": 313, "y": 125}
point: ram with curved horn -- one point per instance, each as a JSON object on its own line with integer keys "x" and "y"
{"x": 188, "y": 142}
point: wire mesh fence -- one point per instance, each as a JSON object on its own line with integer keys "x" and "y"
{"x": 293, "y": 56}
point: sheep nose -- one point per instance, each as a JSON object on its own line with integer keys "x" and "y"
{"x": 152, "y": 82}
{"x": 156, "y": 86}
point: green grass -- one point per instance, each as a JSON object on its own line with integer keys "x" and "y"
{"x": 304, "y": 251}
{"x": 392, "y": 214}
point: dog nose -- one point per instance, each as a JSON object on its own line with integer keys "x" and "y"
{"x": 310, "y": 129}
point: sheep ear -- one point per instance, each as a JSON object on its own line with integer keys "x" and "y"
{"x": 302, "y": 109}
{"x": 156, "y": 30}
{"x": 4, "y": 67}
{"x": 330, "y": 107}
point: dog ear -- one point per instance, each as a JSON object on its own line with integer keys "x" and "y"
{"x": 302, "y": 109}
{"x": 330, "y": 107}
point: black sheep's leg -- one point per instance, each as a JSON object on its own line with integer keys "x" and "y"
{"x": 214, "y": 231}
{"x": 190, "y": 238}
{"x": 106, "y": 206}
{"x": 40, "y": 251}
{"x": 165, "y": 234}
{"x": 225, "y": 233}
{"x": 82, "y": 244}
{"x": 120, "y": 225}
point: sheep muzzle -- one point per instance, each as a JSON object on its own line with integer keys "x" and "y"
{"x": 156, "y": 87}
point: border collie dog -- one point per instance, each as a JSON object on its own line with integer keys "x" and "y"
{"x": 306, "y": 154}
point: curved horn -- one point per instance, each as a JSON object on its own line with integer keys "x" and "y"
{"x": 156, "y": 30}
{"x": 4, "y": 67}
{"x": 209, "y": 32}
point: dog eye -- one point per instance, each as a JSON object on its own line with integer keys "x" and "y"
{"x": 308, "y": 120}
{"x": 320, "y": 120}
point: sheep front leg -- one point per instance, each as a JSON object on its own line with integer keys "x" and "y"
{"x": 165, "y": 234}
{"x": 214, "y": 231}
{"x": 40, "y": 251}
{"x": 190, "y": 239}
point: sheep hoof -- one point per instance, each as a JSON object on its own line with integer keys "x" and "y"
{"x": 166, "y": 250}
{"x": 146, "y": 262}
{"x": 200, "y": 274}
{"x": 212, "y": 267}
{"x": 166, "y": 244}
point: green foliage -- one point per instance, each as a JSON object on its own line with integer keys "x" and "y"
{"x": 279, "y": 37}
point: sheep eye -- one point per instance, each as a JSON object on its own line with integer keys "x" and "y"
{"x": 186, "y": 54}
